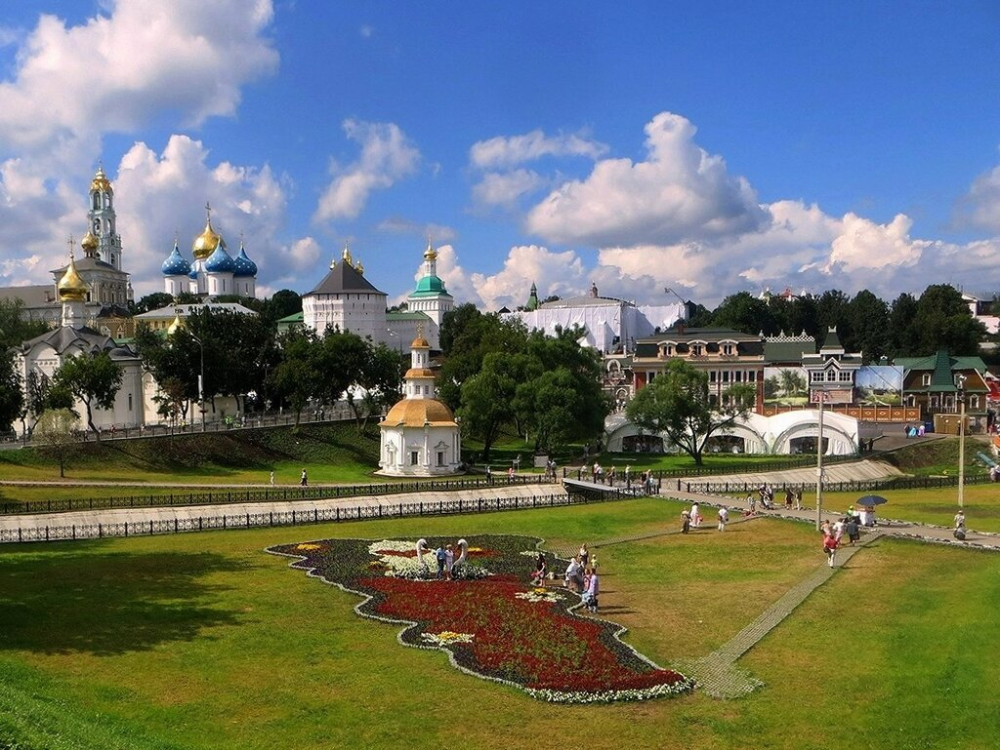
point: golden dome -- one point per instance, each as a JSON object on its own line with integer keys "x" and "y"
{"x": 420, "y": 342}
{"x": 71, "y": 287}
{"x": 430, "y": 253}
{"x": 206, "y": 242}
{"x": 346, "y": 255}
{"x": 100, "y": 182}
{"x": 419, "y": 372}
{"x": 89, "y": 242}
{"x": 418, "y": 412}
{"x": 175, "y": 326}
{"x": 359, "y": 267}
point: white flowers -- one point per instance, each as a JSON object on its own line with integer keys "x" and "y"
{"x": 539, "y": 595}
{"x": 400, "y": 565}
{"x": 447, "y": 638}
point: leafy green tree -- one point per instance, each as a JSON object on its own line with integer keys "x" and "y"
{"x": 803, "y": 317}
{"x": 869, "y": 318}
{"x": 381, "y": 378}
{"x": 283, "y": 303}
{"x": 14, "y": 327}
{"x": 677, "y": 405}
{"x": 94, "y": 378}
{"x": 153, "y": 301}
{"x": 745, "y": 313}
{"x": 905, "y": 336}
{"x": 488, "y": 395}
{"x": 833, "y": 311}
{"x": 296, "y": 378}
{"x": 561, "y": 398}
{"x": 944, "y": 321}
{"x": 11, "y": 393}
{"x": 479, "y": 336}
{"x": 54, "y": 434}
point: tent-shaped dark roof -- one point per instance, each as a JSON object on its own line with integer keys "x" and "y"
{"x": 342, "y": 278}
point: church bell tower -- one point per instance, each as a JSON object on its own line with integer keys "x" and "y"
{"x": 102, "y": 239}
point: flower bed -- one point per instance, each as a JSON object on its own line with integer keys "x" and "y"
{"x": 489, "y": 619}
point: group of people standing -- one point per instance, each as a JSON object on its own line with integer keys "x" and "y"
{"x": 692, "y": 519}
{"x": 581, "y": 576}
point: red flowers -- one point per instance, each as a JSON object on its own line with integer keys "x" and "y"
{"x": 498, "y": 626}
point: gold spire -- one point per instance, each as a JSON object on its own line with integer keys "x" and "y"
{"x": 100, "y": 181}
{"x": 430, "y": 253}
{"x": 176, "y": 325}
{"x": 346, "y": 255}
{"x": 71, "y": 287}
{"x": 206, "y": 242}
{"x": 420, "y": 342}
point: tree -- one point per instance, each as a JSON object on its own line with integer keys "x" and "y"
{"x": 561, "y": 398}
{"x": 745, "y": 313}
{"x": 677, "y": 404}
{"x": 833, "y": 311}
{"x": 11, "y": 393}
{"x": 869, "y": 318}
{"x": 14, "y": 328}
{"x": 474, "y": 336}
{"x": 382, "y": 379}
{"x": 295, "y": 379}
{"x": 94, "y": 379}
{"x": 153, "y": 301}
{"x": 54, "y": 434}
{"x": 944, "y": 321}
{"x": 905, "y": 337}
{"x": 283, "y": 303}
{"x": 487, "y": 396}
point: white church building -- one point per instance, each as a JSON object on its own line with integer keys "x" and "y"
{"x": 419, "y": 435}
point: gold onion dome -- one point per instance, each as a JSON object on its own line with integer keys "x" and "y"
{"x": 419, "y": 412}
{"x": 100, "y": 181}
{"x": 206, "y": 242}
{"x": 430, "y": 253}
{"x": 175, "y": 326}
{"x": 89, "y": 241}
{"x": 346, "y": 255}
{"x": 420, "y": 342}
{"x": 71, "y": 287}
{"x": 359, "y": 267}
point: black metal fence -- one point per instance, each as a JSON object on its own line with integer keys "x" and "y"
{"x": 748, "y": 467}
{"x": 268, "y": 494}
{"x": 862, "y": 485}
{"x": 297, "y": 517}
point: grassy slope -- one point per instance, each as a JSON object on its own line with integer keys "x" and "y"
{"x": 202, "y": 641}
{"x": 331, "y": 453}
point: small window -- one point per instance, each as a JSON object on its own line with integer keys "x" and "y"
{"x": 973, "y": 402}
{"x": 696, "y": 350}
{"x": 440, "y": 458}
{"x": 753, "y": 376}
{"x": 816, "y": 377}
{"x": 711, "y": 376}
{"x": 845, "y": 377}
{"x": 831, "y": 375}
{"x": 130, "y": 402}
{"x": 727, "y": 349}
{"x": 414, "y": 458}
{"x": 925, "y": 379}
{"x": 725, "y": 376}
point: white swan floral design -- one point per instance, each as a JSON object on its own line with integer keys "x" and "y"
{"x": 421, "y": 549}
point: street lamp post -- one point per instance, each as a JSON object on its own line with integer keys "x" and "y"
{"x": 960, "y": 381}
{"x": 201, "y": 380}
{"x": 821, "y": 397}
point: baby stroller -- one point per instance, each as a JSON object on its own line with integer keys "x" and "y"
{"x": 960, "y": 534}
{"x": 589, "y": 601}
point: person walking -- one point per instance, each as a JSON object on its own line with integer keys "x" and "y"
{"x": 304, "y": 478}
{"x": 593, "y": 589}
{"x": 685, "y": 521}
{"x": 798, "y": 499}
{"x": 723, "y": 518}
{"x": 830, "y": 545}
{"x": 960, "y": 525}
{"x": 695, "y": 515}
{"x": 584, "y": 555}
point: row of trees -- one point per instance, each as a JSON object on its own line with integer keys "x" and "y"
{"x": 498, "y": 376}
{"x": 242, "y": 357}
{"x": 907, "y": 327}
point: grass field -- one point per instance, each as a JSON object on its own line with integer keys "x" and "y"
{"x": 203, "y": 641}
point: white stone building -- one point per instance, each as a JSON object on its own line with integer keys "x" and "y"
{"x": 419, "y": 435}
{"x": 213, "y": 272}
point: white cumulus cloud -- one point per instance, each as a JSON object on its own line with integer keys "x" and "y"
{"x": 680, "y": 193}
{"x": 118, "y": 71}
{"x": 980, "y": 207}
{"x": 560, "y": 273}
{"x": 387, "y": 156}
{"x": 160, "y": 195}
{"x": 509, "y": 151}
{"x": 505, "y": 188}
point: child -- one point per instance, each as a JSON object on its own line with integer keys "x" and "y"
{"x": 830, "y": 545}
{"x": 592, "y": 590}
{"x": 538, "y": 575}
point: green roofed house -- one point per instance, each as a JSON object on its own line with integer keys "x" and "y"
{"x": 937, "y": 383}
{"x": 430, "y": 298}
{"x": 291, "y": 322}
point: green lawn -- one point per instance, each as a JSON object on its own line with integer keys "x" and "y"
{"x": 203, "y": 641}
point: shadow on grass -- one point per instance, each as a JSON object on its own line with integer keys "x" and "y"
{"x": 109, "y": 603}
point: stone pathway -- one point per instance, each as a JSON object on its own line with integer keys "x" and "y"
{"x": 717, "y": 674}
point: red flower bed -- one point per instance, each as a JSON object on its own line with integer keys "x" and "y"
{"x": 492, "y": 627}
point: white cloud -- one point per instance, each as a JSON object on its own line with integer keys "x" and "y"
{"x": 435, "y": 233}
{"x": 863, "y": 244}
{"x": 387, "y": 156}
{"x": 559, "y": 273}
{"x": 509, "y": 151}
{"x": 980, "y": 207}
{"x": 119, "y": 71}
{"x": 504, "y": 188}
{"x": 680, "y": 193}
{"x": 158, "y": 195}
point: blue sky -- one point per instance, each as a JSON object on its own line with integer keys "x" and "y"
{"x": 708, "y": 148}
